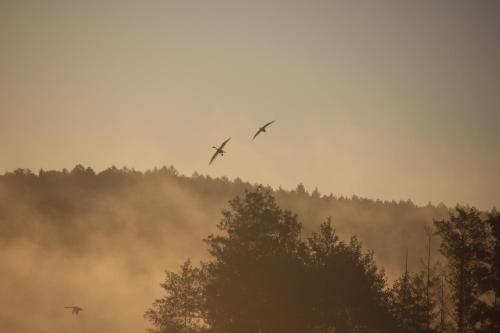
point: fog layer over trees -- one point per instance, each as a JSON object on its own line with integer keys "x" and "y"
{"x": 263, "y": 277}
{"x": 103, "y": 241}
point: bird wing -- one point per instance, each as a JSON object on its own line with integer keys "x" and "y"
{"x": 213, "y": 157}
{"x": 224, "y": 143}
{"x": 262, "y": 129}
{"x": 258, "y": 132}
{"x": 269, "y": 123}
{"x": 217, "y": 151}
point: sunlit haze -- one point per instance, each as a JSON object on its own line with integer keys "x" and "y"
{"x": 382, "y": 99}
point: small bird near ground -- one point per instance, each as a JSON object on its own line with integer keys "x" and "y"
{"x": 262, "y": 129}
{"x": 74, "y": 309}
{"x": 219, "y": 151}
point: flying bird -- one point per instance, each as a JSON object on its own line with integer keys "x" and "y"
{"x": 218, "y": 151}
{"x": 74, "y": 309}
{"x": 262, "y": 129}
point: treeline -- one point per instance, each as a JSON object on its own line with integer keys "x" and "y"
{"x": 163, "y": 212}
{"x": 263, "y": 276}
{"x": 85, "y": 178}
{"x": 68, "y": 208}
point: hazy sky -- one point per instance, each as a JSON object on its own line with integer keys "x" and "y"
{"x": 384, "y": 99}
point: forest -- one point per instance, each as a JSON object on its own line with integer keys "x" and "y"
{"x": 263, "y": 277}
{"x": 240, "y": 257}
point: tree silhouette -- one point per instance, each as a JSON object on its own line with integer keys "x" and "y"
{"x": 263, "y": 275}
{"x": 256, "y": 276}
{"x": 465, "y": 243}
{"x": 492, "y": 309}
{"x": 347, "y": 290}
{"x": 181, "y": 309}
{"x": 82, "y": 202}
{"x": 410, "y": 305}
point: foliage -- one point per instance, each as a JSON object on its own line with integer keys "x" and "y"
{"x": 347, "y": 290}
{"x": 409, "y": 303}
{"x": 69, "y": 208}
{"x": 466, "y": 245}
{"x": 491, "y": 309}
{"x": 257, "y": 271}
{"x": 181, "y": 309}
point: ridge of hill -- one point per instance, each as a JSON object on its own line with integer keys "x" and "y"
{"x": 104, "y": 240}
{"x": 71, "y": 208}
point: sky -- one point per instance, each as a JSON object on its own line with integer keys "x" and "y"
{"x": 393, "y": 99}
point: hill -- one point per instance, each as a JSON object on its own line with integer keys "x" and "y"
{"x": 114, "y": 233}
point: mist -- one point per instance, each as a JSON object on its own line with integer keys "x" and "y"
{"x": 103, "y": 241}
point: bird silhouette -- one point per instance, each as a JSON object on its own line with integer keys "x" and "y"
{"x": 262, "y": 129}
{"x": 218, "y": 151}
{"x": 74, "y": 309}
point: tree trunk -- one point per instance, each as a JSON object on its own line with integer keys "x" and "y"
{"x": 461, "y": 304}
{"x": 429, "y": 235}
{"x": 442, "y": 304}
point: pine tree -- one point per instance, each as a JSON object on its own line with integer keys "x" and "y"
{"x": 256, "y": 273}
{"x": 181, "y": 309}
{"x": 410, "y": 305}
{"x": 347, "y": 289}
{"x": 464, "y": 243}
{"x": 493, "y": 308}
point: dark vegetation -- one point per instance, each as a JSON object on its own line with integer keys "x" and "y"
{"x": 409, "y": 268}
{"x": 67, "y": 208}
{"x": 263, "y": 277}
